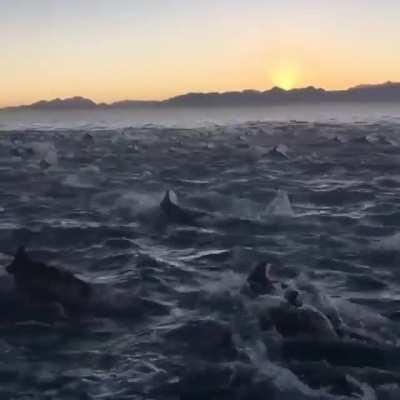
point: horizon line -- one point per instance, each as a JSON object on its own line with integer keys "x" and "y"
{"x": 276, "y": 87}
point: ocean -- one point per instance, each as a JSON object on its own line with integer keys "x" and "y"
{"x": 315, "y": 188}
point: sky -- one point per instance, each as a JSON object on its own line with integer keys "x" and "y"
{"x": 111, "y": 50}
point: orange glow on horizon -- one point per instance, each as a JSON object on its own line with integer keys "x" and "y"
{"x": 285, "y": 76}
{"x": 146, "y": 51}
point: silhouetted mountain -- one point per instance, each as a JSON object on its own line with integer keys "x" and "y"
{"x": 367, "y": 93}
{"x": 58, "y": 104}
{"x": 249, "y": 97}
{"x": 387, "y": 92}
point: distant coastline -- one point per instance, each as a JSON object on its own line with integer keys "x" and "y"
{"x": 386, "y": 92}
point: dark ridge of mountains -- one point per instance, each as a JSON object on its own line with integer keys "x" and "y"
{"x": 386, "y": 92}
{"x": 58, "y": 104}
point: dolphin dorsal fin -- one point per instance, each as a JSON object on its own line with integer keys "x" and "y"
{"x": 170, "y": 198}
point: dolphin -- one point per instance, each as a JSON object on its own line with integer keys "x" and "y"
{"x": 303, "y": 321}
{"x": 48, "y": 286}
{"x": 260, "y": 281}
{"x": 32, "y": 290}
{"x": 290, "y": 317}
{"x": 177, "y": 214}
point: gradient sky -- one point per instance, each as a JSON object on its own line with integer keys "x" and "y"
{"x": 153, "y": 49}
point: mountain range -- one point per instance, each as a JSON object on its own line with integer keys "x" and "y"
{"x": 386, "y": 92}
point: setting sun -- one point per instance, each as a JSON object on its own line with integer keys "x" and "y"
{"x": 285, "y": 77}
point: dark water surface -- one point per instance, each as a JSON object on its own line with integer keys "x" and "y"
{"x": 172, "y": 321}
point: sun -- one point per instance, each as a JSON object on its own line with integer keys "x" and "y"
{"x": 285, "y": 77}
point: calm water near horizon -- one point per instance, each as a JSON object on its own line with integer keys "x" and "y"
{"x": 191, "y": 117}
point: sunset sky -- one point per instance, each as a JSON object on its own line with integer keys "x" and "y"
{"x": 153, "y": 49}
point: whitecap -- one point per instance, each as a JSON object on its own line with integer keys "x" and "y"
{"x": 46, "y": 153}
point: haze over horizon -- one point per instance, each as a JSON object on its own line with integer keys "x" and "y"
{"x": 153, "y": 50}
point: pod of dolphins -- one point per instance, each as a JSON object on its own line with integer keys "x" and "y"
{"x": 313, "y": 334}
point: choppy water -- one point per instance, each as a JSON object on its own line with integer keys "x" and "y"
{"x": 325, "y": 202}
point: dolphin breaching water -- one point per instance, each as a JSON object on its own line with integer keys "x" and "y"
{"x": 291, "y": 317}
{"x": 312, "y": 330}
{"x": 48, "y": 285}
{"x": 260, "y": 280}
